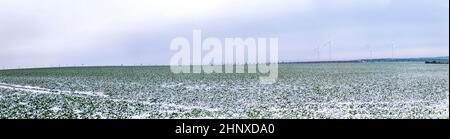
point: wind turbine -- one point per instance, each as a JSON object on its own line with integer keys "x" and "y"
{"x": 370, "y": 51}
{"x": 318, "y": 52}
{"x": 329, "y": 44}
{"x": 392, "y": 50}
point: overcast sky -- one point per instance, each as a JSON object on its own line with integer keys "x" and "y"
{"x": 112, "y": 32}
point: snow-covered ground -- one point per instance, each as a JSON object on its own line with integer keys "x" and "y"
{"x": 352, "y": 90}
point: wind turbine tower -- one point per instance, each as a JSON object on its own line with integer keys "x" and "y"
{"x": 329, "y": 44}
{"x": 392, "y": 50}
{"x": 318, "y": 52}
{"x": 370, "y": 51}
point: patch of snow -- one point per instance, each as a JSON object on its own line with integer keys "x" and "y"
{"x": 76, "y": 111}
{"x": 100, "y": 94}
{"x": 55, "y": 109}
{"x": 23, "y": 103}
{"x": 189, "y": 107}
{"x": 142, "y": 116}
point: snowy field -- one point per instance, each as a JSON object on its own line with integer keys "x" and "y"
{"x": 306, "y": 91}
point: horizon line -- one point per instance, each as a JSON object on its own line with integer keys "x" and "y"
{"x": 163, "y": 65}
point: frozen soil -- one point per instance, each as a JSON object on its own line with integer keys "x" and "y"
{"x": 306, "y": 91}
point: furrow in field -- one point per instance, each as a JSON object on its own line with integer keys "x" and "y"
{"x": 40, "y": 90}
